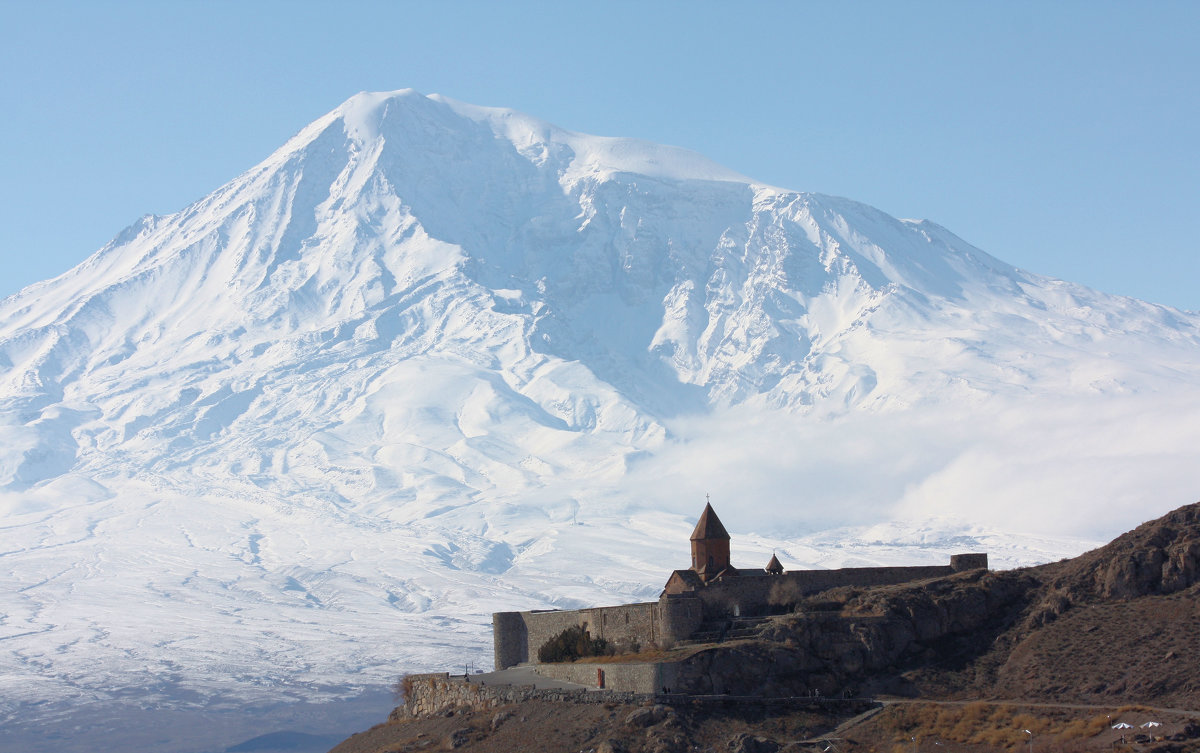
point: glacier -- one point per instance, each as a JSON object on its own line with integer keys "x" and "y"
{"x": 431, "y": 360}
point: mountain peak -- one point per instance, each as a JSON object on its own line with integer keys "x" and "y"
{"x": 431, "y": 360}
{"x": 410, "y": 117}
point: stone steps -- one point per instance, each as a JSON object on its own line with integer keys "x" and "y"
{"x": 724, "y": 630}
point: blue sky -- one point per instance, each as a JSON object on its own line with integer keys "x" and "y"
{"x": 1061, "y": 137}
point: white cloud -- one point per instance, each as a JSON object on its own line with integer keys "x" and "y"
{"x": 1082, "y": 467}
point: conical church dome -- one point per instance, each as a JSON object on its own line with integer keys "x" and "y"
{"x": 774, "y": 567}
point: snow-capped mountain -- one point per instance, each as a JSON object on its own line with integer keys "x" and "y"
{"x": 431, "y": 360}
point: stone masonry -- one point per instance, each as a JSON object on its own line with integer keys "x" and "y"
{"x": 676, "y": 616}
{"x": 713, "y": 590}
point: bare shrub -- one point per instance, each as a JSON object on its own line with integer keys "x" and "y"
{"x": 402, "y": 689}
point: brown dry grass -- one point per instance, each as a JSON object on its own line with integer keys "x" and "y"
{"x": 1135, "y": 649}
{"x": 643, "y": 656}
{"x": 992, "y": 725}
{"x": 402, "y": 689}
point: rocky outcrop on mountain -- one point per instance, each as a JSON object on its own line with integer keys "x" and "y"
{"x": 1116, "y": 622}
{"x": 1121, "y": 621}
{"x": 1158, "y": 557}
{"x": 864, "y": 640}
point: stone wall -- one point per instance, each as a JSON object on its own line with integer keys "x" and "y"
{"x": 644, "y": 678}
{"x": 429, "y": 695}
{"x": 679, "y": 616}
{"x": 435, "y": 694}
{"x": 517, "y": 636}
{"x": 628, "y": 626}
{"x": 963, "y": 562}
{"x": 746, "y": 595}
{"x": 510, "y": 639}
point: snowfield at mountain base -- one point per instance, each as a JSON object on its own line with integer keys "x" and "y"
{"x": 430, "y": 361}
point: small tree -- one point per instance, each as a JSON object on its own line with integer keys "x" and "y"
{"x": 573, "y": 643}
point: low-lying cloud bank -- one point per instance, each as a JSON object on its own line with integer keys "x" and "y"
{"x": 1079, "y": 467}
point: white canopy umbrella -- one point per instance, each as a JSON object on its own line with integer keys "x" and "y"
{"x": 1151, "y": 724}
{"x": 1122, "y": 725}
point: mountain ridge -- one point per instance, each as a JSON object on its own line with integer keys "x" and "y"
{"x": 429, "y": 361}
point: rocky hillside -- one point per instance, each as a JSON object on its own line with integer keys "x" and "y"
{"x": 748, "y": 728}
{"x": 1116, "y": 624}
{"x": 1157, "y": 558}
{"x": 1065, "y": 649}
{"x": 1120, "y": 623}
{"x": 603, "y": 728}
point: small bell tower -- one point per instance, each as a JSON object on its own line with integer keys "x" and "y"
{"x": 710, "y": 545}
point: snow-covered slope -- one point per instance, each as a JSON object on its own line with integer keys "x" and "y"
{"x": 431, "y": 360}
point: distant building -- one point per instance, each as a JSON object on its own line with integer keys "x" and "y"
{"x": 773, "y": 567}
{"x": 711, "y": 591}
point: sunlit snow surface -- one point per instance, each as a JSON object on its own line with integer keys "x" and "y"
{"x": 431, "y": 361}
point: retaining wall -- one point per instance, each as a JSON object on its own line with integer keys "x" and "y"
{"x": 642, "y": 678}
{"x": 434, "y": 694}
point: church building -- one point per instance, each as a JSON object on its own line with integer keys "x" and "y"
{"x": 708, "y": 593}
{"x": 710, "y": 558}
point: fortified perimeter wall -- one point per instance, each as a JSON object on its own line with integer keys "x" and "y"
{"x": 517, "y": 636}
{"x": 747, "y": 594}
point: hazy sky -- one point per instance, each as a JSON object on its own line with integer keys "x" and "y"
{"x": 1060, "y": 137}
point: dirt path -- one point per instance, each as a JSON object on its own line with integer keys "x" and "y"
{"x": 840, "y": 731}
{"x": 1043, "y": 705}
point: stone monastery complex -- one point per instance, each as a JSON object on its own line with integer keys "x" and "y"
{"x": 701, "y": 603}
